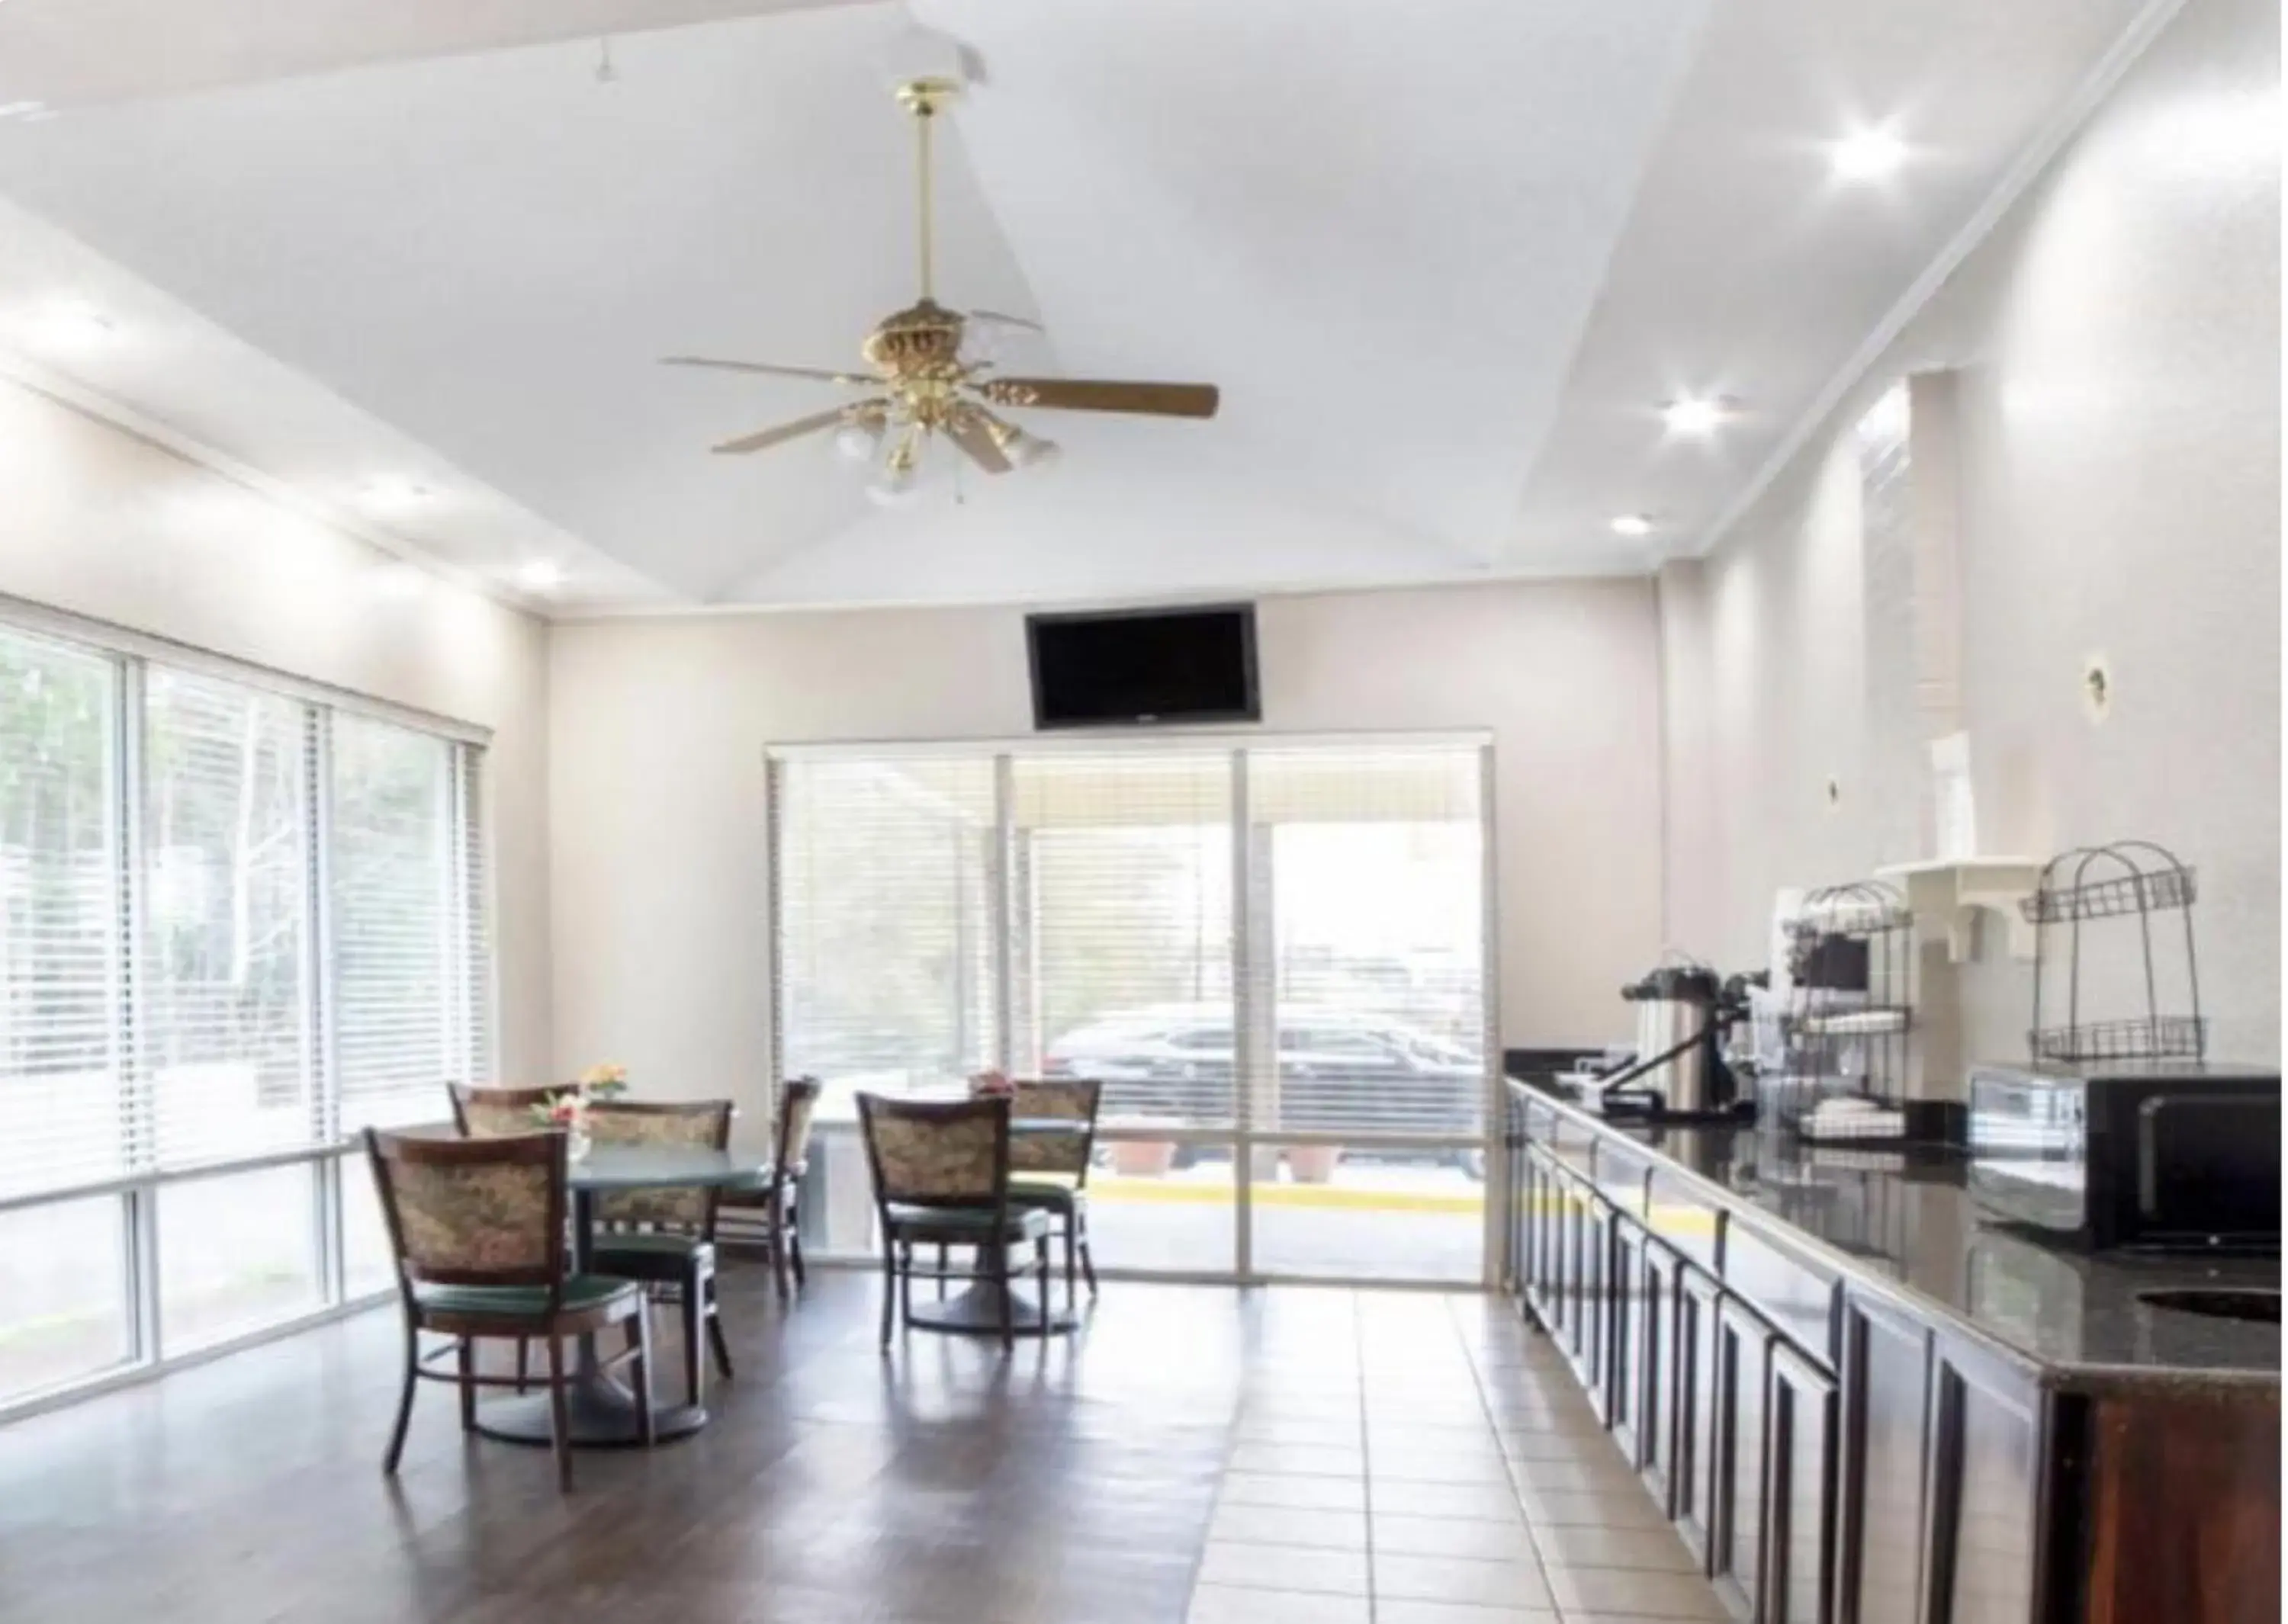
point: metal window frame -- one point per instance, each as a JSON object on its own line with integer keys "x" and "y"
{"x": 129, "y": 656}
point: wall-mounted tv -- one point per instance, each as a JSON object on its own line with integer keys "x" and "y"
{"x": 1142, "y": 666}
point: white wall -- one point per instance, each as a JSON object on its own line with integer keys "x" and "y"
{"x": 105, "y": 524}
{"x": 656, "y": 763}
{"x": 2118, "y": 443}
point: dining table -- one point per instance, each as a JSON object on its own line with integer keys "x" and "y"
{"x": 600, "y": 1410}
{"x": 976, "y": 1312}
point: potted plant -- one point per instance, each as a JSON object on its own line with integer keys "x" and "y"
{"x": 1142, "y": 1158}
{"x": 1312, "y": 1164}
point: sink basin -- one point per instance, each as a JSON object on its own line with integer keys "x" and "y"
{"x": 2219, "y": 1302}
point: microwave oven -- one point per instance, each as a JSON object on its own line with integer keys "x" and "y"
{"x": 2163, "y": 1156}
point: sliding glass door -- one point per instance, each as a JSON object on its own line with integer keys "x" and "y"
{"x": 1273, "y": 955}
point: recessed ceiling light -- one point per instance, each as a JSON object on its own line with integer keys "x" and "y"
{"x": 1632, "y": 524}
{"x": 541, "y": 576}
{"x": 27, "y": 112}
{"x": 1867, "y": 155}
{"x": 1697, "y": 415}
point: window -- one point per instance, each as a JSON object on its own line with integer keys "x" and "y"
{"x": 399, "y": 1008}
{"x": 235, "y": 920}
{"x": 1370, "y": 898}
{"x": 1272, "y": 956}
{"x": 1121, "y": 918}
{"x": 60, "y": 1078}
{"x": 222, "y": 960}
{"x": 884, "y": 941}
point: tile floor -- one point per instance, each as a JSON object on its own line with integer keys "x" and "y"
{"x": 1410, "y": 1459}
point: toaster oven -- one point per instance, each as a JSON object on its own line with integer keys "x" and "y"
{"x": 2175, "y": 1157}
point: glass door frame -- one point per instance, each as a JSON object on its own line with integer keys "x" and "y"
{"x": 1240, "y": 1138}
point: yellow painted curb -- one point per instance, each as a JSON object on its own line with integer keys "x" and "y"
{"x": 1168, "y": 1192}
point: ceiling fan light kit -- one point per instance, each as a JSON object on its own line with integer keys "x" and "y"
{"x": 933, "y": 383}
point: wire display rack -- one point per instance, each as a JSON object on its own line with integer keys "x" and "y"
{"x": 1851, "y": 962}
{"x": 2130, "y": 879}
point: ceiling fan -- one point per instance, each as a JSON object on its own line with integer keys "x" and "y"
{"x": 927, "y": 387}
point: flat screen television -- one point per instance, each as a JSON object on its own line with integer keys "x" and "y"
{"x": 1142, "y": 666}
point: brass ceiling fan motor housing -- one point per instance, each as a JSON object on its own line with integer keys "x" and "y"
{"x": 923, "y": 340}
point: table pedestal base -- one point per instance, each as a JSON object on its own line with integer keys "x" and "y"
{"x": 600, "y": 1414}
{"x": 977, "y": 1312}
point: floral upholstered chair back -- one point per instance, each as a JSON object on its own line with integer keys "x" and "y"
{"x": 797, "y": 1107}
{"x": 474, "y": 1211}
{"x": 701, "y": 1125}
{"x": 951, "y": 1153}
{"x": 1064, "y": 1155}
{"x": 493, "y": 1113}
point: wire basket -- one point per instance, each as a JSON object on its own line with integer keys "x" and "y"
{"x": 1851, "y": 966}
{"x": 2159, "y": 1037}
{"x": 2131, "y": 879}
{"x": 2143, "y": 892}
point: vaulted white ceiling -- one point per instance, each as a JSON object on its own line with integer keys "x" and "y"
{"x": 1445, "y": 260}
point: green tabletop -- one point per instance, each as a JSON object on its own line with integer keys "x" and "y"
{"x": 663, "y": 1166}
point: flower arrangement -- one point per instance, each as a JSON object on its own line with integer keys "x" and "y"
{"x": 567, "y": 1114}
{"x": 607, "y": 1080}
{"x": 991, "y": 1085}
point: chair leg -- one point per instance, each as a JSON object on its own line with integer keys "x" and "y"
{"x": 794, "y": 1256}
{"x": 639, "y": 1339}
{"x": 716, "y": 1340}
{"x": 405, "y": 1400}
{"x": 778, "y": 1247}
{"x": 1072, "y": 1253}
{"x": 889, "y": 1287}
{"x": 906, "y": 1282}
{"x": 1008, "y": 1307}
{"x": 560, "y": 1418}
{"x": 944, "y": 1262}
{"x": 694, "y": 1353}
{"x": 1087, "y": 1257}
{"x": 465, "y": 1358}
{"x": 1041, "y": 1276}
{"x": 523, "y": 1363}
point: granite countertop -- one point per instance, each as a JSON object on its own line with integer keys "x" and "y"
{"x": 1905, "y": 1219}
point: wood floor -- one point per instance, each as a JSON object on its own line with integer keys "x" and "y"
{"x": 1198, "y": 1455}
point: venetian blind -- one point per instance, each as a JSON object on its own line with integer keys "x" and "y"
{"x": 475, "y": 970}
{"x": 886, "y": 888}
{"x": 1121, "y": 928}
{"x": 61, "y": 1090}
{"x": 395, "y": 904}
{"x": 222, "y": 964}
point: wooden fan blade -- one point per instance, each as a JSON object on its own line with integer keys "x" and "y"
{"x": 1072, "y": 394}
{"x": 767, "y": 438}
{"x": 768, "y": 369}
{"x": 968, "y": 430}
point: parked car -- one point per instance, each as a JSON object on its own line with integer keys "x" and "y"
{"x": 1337, "y": 1070}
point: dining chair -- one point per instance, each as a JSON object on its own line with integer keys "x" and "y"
{"x": 941, "y": 1178}
{"x": 491, "y": 1113}
{"x": 666, "y": 1237}
{"x": 1050, "y": 1171}
{"x": 774, "y": 1207}
{"x": 476, "y": 1227}
{"x": 488, "y": 1113}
